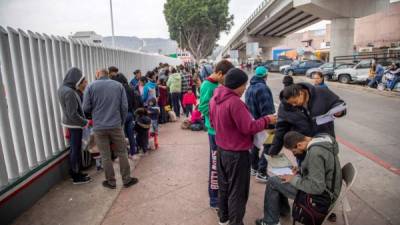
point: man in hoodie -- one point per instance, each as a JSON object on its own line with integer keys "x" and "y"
{"x": 74, "y": 120}
{"x": 206, "y": 92}
{"x": 235, "y": 128}
{"x": 320, "y": 172}
{"x": 260, "y": 101}
{"x": 174, "y": 84}
{"x": 106, "y": 100}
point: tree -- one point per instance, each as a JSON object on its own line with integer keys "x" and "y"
{"x": 196, "y": 24}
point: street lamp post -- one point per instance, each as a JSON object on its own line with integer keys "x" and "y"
{"x": 112, "y": 25}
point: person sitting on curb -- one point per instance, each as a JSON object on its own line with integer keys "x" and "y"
{"x": 319, "y": 176}
{"x": 235, "y": 128}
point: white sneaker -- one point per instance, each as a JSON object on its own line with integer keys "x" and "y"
{"x": 225, "y": 223}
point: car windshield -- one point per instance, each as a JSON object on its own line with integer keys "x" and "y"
{"x": 326, "y": 65}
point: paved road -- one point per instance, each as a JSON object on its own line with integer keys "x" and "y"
{"x": 371, "y": 125}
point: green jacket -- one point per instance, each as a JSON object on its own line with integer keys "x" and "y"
{"x": 174, "y": 83}
{"x": 318, "y": 167}
{"x": 206, "y": 92}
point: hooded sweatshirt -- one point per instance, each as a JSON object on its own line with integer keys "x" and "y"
{"x": 233, "y": 123}
{"x": 318, "y": 167}
{"x": 149, "y": 91}
{"x": 206, "y": 92}
{"x": 175, "y": 83}
{"x": 71, "y": 105}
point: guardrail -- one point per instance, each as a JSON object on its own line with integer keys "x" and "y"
{"x": 32, "y": 67}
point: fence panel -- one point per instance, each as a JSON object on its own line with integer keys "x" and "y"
{"x": 32, "y": 68}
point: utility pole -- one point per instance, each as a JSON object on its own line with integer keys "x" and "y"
{"x": 112, "y": 24}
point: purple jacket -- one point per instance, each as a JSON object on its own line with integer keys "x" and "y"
{"x": 232, "y": 121}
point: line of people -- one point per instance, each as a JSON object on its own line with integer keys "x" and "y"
{"x": 123, "y": 116}
{"x": 232, "y": 124}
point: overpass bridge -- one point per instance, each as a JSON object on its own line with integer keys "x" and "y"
{"x": 273, "y": 20}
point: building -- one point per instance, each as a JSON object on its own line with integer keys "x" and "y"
{"x": 89, "y": 36}
{"x": 371, "y": 33}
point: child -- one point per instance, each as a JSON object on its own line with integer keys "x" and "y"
{"x": 189, "y": 99}
{"x": 154, "y": 112}
{"x": 163, "y": 100}
{"x": 142, "y": 127}
{"x": 319, "y": 80}
{"x": 196, "y": 121}
{"x": 196, "y": 116}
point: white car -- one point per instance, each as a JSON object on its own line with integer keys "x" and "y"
{"x": 282, "y": 68}
{"x": 357, "y": 73}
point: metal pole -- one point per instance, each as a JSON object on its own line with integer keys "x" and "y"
{"x": 112, "y": 24}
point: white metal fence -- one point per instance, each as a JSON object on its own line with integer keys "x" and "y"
{"x": 32, "y": 67}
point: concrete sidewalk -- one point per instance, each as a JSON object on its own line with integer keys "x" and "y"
{"x": 173, "y": 190}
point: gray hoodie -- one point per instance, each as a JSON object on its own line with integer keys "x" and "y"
{"x": 318, "y": 167}
{"x": 71, "y": 105}
{"x": 106, "y": 100}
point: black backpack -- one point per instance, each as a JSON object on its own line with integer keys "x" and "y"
{"x": 310, "y": 209}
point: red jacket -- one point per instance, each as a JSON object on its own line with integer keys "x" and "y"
{"x": 196, "y": 116}
{"x": 232, "y": 121}
{"x": 189, "y": 99}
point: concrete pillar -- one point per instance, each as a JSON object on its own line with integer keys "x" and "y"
{"x": 266, "y": 53}
{"x": 342, "y": 37}
{"x": 242, "y": 55}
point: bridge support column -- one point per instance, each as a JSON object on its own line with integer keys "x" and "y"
{"x": 342, "y": 37}
{"x": 242, "y": 55}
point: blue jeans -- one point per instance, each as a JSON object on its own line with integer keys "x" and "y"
{"x": 75, "y": 150}
{"x": 276, "y": 199}
{"x": 258, "y": 163}
{"x": 129, "y": 133}
{"x": 394, "y": 82}
{"x": 213, "y": 175}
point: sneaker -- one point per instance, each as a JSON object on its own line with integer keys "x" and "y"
{"x": 262, "y": 177}
{"x": 253, "y": 172}
{"x": 136, "y": 157}
{"x": 262, "y": 222}
{"x": 83, "y": 174}
{"x": 108, "y": 185}
{"x": 223, "y": 223}
{"x": 132, "y": 182}
{"x": 81, "y": 180}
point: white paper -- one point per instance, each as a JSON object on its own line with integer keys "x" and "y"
{"x": 329, "y": 116}
{"x": 281, "y": 171}
{"x": 259, "y": 139}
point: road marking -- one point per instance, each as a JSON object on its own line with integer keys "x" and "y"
{"x": 370, "y": 156}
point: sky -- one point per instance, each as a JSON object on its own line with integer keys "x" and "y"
{"x": 141, "y": 18}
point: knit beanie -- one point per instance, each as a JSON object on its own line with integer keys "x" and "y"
{"x": 261, "y": 71}
{"x": 235, "y": 78}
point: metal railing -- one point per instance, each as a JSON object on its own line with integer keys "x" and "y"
{"x": 32, "y": 67}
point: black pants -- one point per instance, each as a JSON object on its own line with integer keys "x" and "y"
{"x": 188, "y": 110}
{"x": 75, "y": 154}
{"x": 176, "y": 98}
{"x": 234, "y": 185}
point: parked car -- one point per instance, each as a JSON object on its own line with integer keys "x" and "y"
{"x": 302, "y": 67}
{"x": 327, "y": 69}
{"x": 282, "y": 68}
{"x": 274, "y": 65}
{"x": 357, "y": 73}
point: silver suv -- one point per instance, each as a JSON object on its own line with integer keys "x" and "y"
{"x": 357, "y": 73}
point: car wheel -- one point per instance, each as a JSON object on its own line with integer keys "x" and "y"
{"x": 312, "y": 75}
{"x": 290, "y": 73}
{"x": 327, "y": 77}
{"x": 345, "y": 78}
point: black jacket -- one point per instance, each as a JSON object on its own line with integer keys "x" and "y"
{"x": 302, "y": 120}
{"x": 130, "y": 94}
